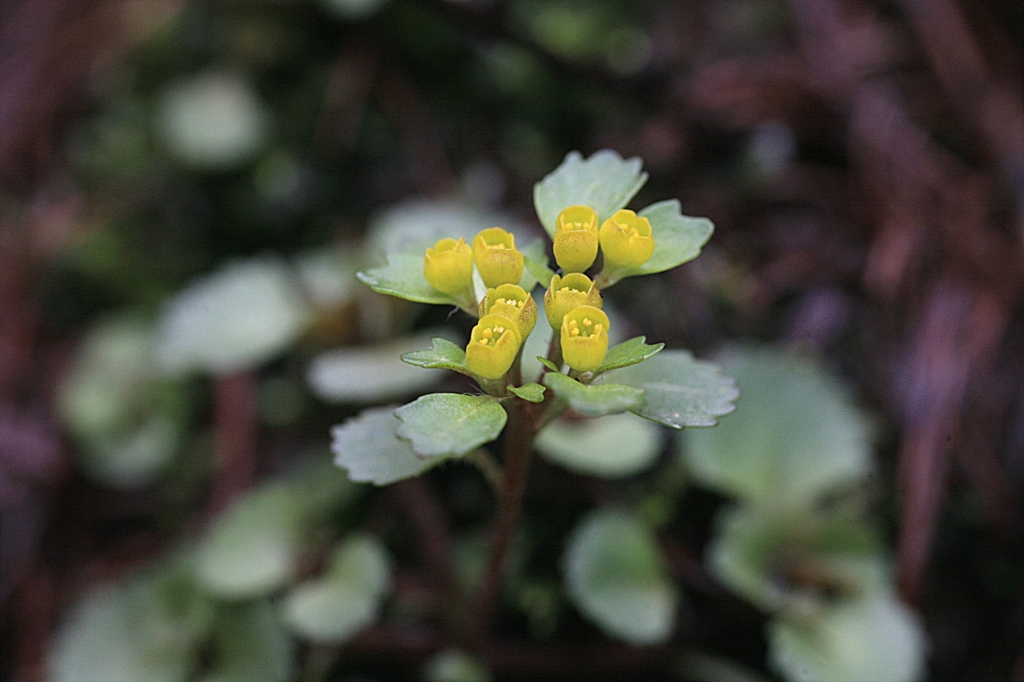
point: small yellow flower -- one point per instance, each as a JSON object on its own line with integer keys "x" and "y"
{"x": 626, "y": 240}
{"x": 448, "y": 266}
{"x": 576, "y": 238}
{"x": 584, "y": 338}
{"x": 493, "y": 345}
{"x": 512, "y": 301}
{"x": 566, "y": 293}
{"x": 496, "y": 257}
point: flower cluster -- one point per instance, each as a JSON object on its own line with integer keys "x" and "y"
{"x": 572, "y": 302}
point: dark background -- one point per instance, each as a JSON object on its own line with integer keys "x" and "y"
{"x": 863, "y": 162}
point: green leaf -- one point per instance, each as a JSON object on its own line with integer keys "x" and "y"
{"x": 535, "y": 258}
{"x": 147, "y": 629}
{"x": 547, "y": 363}
{"x": 368, "y": 447}
{"x": 454, "y": 665}
{"x": 402, "y": 276}
{"x": 796, "y": 561}
{"x": 250, "y": 645}
{"x": 605, "y": 182}
{"x": 616, "y": 576}
{"x": 797, "y": 435}
{"x": 443, "y": 354}
{"x": 238, "y": 317}
{"x": 371, "y": 374}
{"x": 346, "y": 599}
{"x": 677, "y": 240}
{"x": 531, "y": 392}
{"x": 253, "y": 547}
{"x": 873, "y": 639}
{"x": 679, "y": 390}
{"x": 593, "y": 401}
{"x": 610, "y": 447}
{"x": 628, "y": 353}
{"x": 450, "y": 424}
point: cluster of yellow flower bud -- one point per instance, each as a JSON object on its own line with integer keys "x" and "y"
{"x": 625, "y": 239}
{"x": 572, "y": 302}
{"x": 507, "y": 312}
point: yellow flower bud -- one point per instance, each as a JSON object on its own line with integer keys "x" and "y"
{"x": 566, "y": 293}
{"x": 584, "y": 338}
{"x": 512, "y": 301}
{"x": 493, "y": 345}
{"x": 496, "y": 257}
{"x": 576, "y": 238}
{"x": 626, "y": 240}
{"x": 448, "y": 266}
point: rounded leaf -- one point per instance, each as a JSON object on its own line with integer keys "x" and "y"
{"x": 797, "y": 436}
{"x": 616, "y": 576}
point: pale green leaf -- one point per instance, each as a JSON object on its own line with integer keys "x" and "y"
{"x": 455, "y": 665}
{"x": 147, "y": 629}
{"x": 616, "y": 576}
{"x": 767, "y": 557}
{"x": 610, "y": 447}
{"x": 535, "y": 258}
{"x": 679, "y": 391}
{"x": 368, "y": 448}
{"x": 443, "y": 354}
{"x": 796, "y": 436}
{"x": 531, "y": 392}
{"x": 252, "y": 548}
{"x": 402, "y": 276}
{"x": 346, "y": 599}
{"x": 872, "y": 639}
{"x": 127, "y": 419}
{"x": 213, "y": 120}
{"x": 371, "y": 374}
{"x": 629, "y": 352}
{"x": 450, "y": 424}
{"x": 238, "y": 317}
{"x": 251, "y": 645}
{"x": 591, "y": 400}
{"x": 604, "y": 181}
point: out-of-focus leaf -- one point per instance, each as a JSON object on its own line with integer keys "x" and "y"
{"x": 253, "y": 547}
{"x": 678, "y": 390}
{"x": 604, "y": 181}
{"x": 796, "y": 562}
{"x": 610, "y": 447}
{"x": 346, "y": 599}
{"x": 251, "y": 645}
{"x": 237, "y": 317}
{"x": 127, "y": 419}
{"x": 535, "y": 258}
{"x": 871, "y": 639}
{"x": 455, "y": 665}
{"x": 373, "y": 374}
{"x": 450, "y": 424}
{"x": 212, "y": 121}
{"x": 146, "y": 630}
{"x": 796, "y": 436}
{"x": 354, "y": 10}
{"x": 368, "y": 448}
{"x": 328, "y": 275}
{"x": 616, "y": 576}
{"x": 592, "y": 400}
